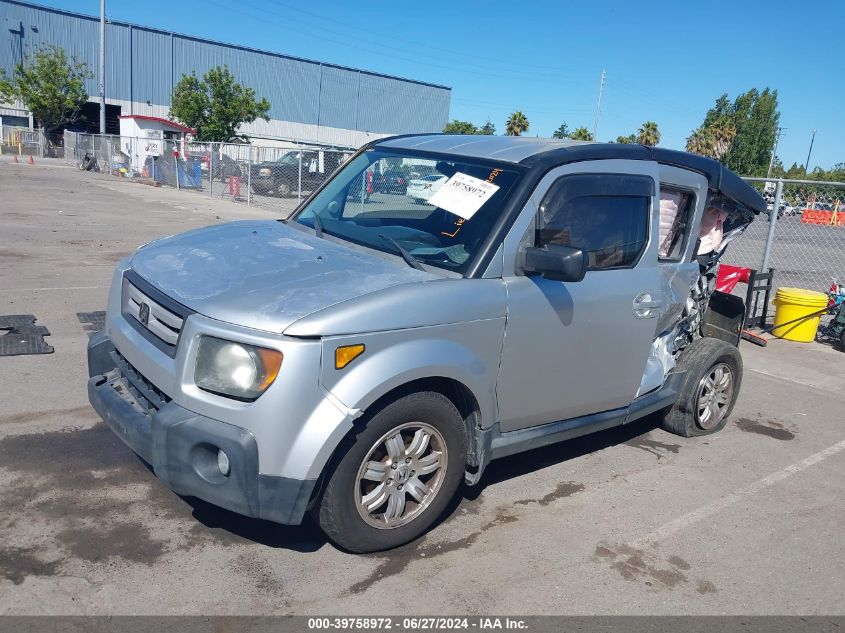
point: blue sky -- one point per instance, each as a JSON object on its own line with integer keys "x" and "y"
{"x": 665, "y": 61}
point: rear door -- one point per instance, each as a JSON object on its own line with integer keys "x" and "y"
{"x": 572, "y": 349}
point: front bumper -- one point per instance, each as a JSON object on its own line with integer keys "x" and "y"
{"x": 182, "y": 446}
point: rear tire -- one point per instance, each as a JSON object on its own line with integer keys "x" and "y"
{"x": 385, "y": 492}
{"x": 284, "y": 190}
{"x": 709, "y": 390}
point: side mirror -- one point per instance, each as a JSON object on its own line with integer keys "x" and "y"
{"x": 553, "y": 261}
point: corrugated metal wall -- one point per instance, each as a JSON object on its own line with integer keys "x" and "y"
{"x": 142, "y": 65}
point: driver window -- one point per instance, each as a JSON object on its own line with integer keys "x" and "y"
{"x": 604, "y": 215}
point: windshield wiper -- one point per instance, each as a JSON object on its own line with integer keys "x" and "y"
{"x": 409, "y": 259}
{"x": 318, "y": 225}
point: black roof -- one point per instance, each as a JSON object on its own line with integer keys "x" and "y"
{"x": 548, "y": 153}
{"x": 720, "y": 179}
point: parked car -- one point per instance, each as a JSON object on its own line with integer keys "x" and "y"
{"x": 391, "y": 181}
{"x": 283, "y": 177}
{"x": 359, "y": 364}
{"x": 421, "y": 189}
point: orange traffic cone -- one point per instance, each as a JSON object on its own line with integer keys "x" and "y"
{"x": 30, "y": 161}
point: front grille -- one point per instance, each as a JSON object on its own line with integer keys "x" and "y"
{"x": 157, "y": 317}
{"x": 148, "y": 396}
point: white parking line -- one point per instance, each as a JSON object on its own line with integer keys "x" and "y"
{"x": 786, "y": 378}
{"x": 710, "y": 509}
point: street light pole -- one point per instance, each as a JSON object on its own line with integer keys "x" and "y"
{"x": 807, "y": 164}
{"x": 774, "y": 151}
{"x": 598, "y": 106}
{"x": 102, "y": 66}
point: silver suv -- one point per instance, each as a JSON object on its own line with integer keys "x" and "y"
{"x": 364, "y": 357}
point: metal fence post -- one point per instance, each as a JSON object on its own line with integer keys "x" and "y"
{"x": 299, "y": 185}
{"x": 773, "y": 220}
{"x": 176, "y": 163}
{"x": 249, "y": 176}
{"x": 211, "y": 170}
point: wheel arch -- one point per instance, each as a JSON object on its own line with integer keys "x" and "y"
{"x": 458, "y": 393}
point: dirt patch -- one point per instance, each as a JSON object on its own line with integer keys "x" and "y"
{"x": 564, "y": 489}
{"x": 259, "y": 571}
{"x": 130, "y": 541}
{"x": 31, "y": 416}
{"x": 17, "y": 563}
{"x": 677, "y": 561}
{"x": 8, "y": 254}
{"x": 769, "y": 428}
{"x": 705, "y": 586}
{"x": 655, "y": 447}
{"x": 397, "y": 560}
{"x": 636, "y": 565}
{"x": 73, "y": 459}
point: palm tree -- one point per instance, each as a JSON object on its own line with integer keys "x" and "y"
{"x": 517, "y": 124}
{"x": 648, "y": 134}
{"x": 722, "y": 133}
{"x": 701, "y": 142}
{"x": 582, "y": 134}
{"x": 626, "y": 140}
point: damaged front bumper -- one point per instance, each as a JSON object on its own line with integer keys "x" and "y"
{"x": 184, "y": 448}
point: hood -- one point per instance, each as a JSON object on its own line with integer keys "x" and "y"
{"x": 263, "y": 274}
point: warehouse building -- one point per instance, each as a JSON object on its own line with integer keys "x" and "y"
{"x": 310, "y": 100}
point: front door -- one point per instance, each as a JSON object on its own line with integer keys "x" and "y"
{"x": 572, "y": 349}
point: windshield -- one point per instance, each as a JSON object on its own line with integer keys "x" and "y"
{"x": 291, "y": 158}
{"x": 439, "y": 209}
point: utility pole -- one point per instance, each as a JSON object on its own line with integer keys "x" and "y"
{"x": 807, "y": 164}
{"x": 102, "y": 66}
{"x": 774, "y": 151}
{"x": 598, "y": 106}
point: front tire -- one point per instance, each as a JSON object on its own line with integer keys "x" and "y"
{"x": 397, "y": 476}
{"x": 709, "y": 390}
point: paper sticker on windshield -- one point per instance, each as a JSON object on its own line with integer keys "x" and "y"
{"x": 463, "y": 195}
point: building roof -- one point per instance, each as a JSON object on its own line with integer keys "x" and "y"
{"x": 548, "y": 153}
{"x": 249, "y": 49}
{"x": 166, "y": 122}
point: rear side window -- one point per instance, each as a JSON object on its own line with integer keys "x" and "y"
{"x": 604, "y": 215}
{"x": 676, "y": 207}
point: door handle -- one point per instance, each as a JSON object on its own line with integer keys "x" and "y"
{"x": 647, "y": 305}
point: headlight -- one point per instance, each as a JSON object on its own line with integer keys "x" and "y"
{"x": 235, "y": 369}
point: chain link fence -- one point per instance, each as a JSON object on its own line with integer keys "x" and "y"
{"x": 22, "y": 141}
{"x": 803, "y": 241}
{"x": 276, "y": 177}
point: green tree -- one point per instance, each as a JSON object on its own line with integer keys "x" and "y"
{"x": 561, "y": 132}
{"x": 581, "y": 134}
{"x": 50, "y": 85}
{"x": 648, "y": 134}
{"x": 627, "y": 140}
{"x": 488, "y": 129}
{"x": 741, "y": 133}
{"x": 756, "y": 119}
{"x": 460, "y": 127}
{"x": 796, "y": 171}
{"x": 216, "y": 105}
{"x": 517, "y": 124}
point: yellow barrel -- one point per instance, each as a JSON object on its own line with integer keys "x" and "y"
{"x": 791, "y": 304}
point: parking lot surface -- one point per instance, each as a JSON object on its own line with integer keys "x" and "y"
{"x": 629, "y": 521}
